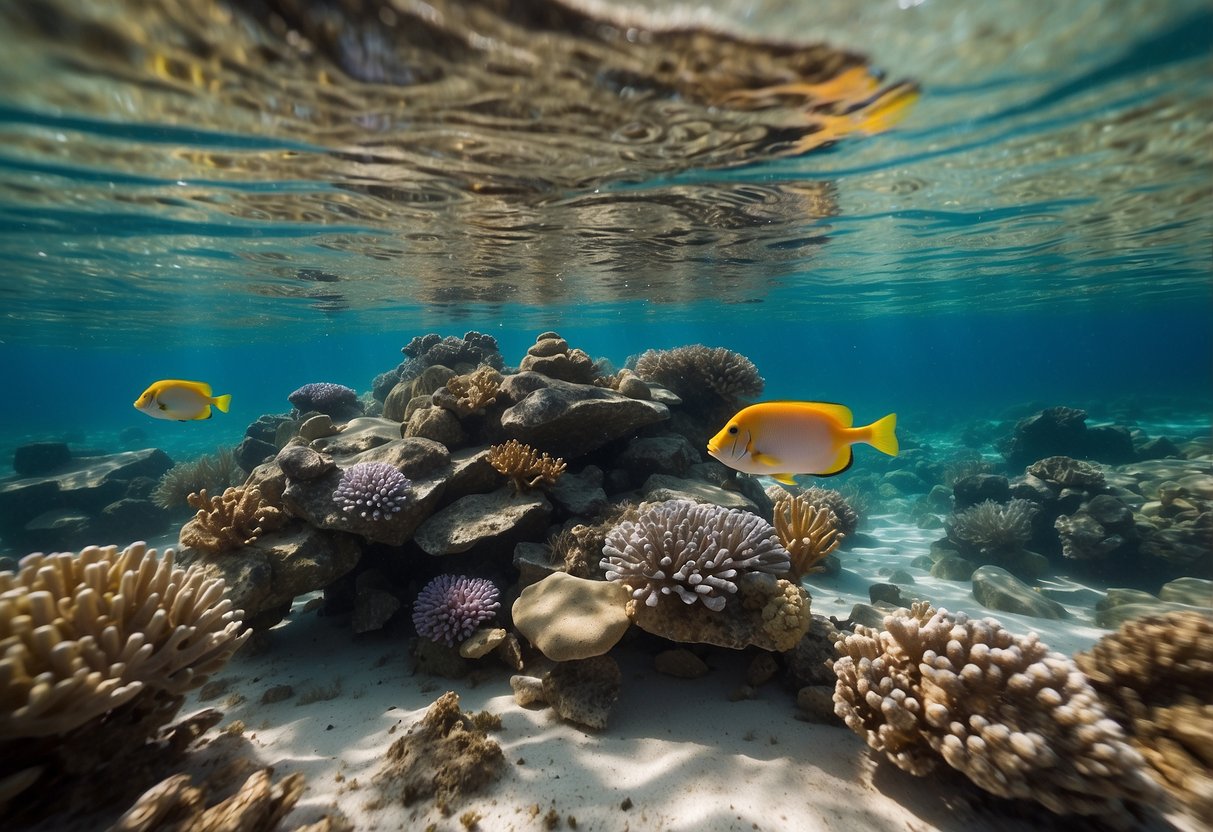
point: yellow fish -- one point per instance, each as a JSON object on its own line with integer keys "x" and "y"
{"x": 780, "y": 439}
{"x": 179, "y": 400}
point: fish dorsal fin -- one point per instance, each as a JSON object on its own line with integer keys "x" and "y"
{"x": 839, "y": 411}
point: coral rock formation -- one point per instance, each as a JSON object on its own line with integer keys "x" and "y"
{"x": 702, "y": 376}
{"x": 444, "y": 756}
{"x": 1155, "y": 677}
{"x": 570, "y": 618}
{"x": 1016, "y": 719}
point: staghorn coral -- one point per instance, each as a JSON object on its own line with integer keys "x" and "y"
{"x": 1155, "y": 677}
{"x": 702, "y": 376}
{"x": 474, "y": 391}
{"x": 235, "y": 518}
{"x": 1016, "y": 719}
{"x": 212, "y": 472}
{"x": 83, "y": 634}
{"x": 375, "y": 490}
{"x": 692, "y": 551}
{"x": 808, "y": 532}
{"x": 525, "y": 466}
{"x": 450, "y": 608}
{"x": 992, "y": 527}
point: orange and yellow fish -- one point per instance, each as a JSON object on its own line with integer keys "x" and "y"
{"x": 182, "y": 401}
{"x": 780, "y": 439}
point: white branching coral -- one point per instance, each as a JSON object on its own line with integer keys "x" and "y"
{"x": 692, "y": 551}
{"x": 83, "y": 634}
{"x": 1016, "y": 719}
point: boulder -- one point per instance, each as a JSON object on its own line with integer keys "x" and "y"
{"x": 581, "y": 494}
{"x": 269, "y": 573}
{"x": 38, "y": 458}
{"x": 485, "y": 523}
{"x": 646, "y": 455}
{"x": 662, "y": 487}
{"x": 570, "y": 618}
{"x": 997, "y": 589}
{"x": 569, "y": 420}
{"x": 425, "y": 462}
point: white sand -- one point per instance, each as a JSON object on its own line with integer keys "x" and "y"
{"x": 683, "y": 754}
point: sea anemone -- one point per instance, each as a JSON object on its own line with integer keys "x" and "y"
{"x": 450, "y": 608}
{"x": 375, "y": 490}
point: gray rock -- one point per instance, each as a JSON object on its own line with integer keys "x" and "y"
{"x": 423, "y": 461}
{"x": 471, "y": 473}
{"x": 680, "y": 663}
{"x": 569, "y": 420}
{"x": 889, "y": 593}
{"x": 808, "y": 663}
{"x": 317, "y": 427}
{"x": 374, "y": 602}
{"x": 485, "y": 522}
{"x": 581, "y": 494}
{"x": 634, "y": 387}
{"x": 901, "y": 576}
{"x": 85, "y": 485}
{"x": 58, "y": 530}
{"x": 300, "y": 462}
{"x": 646, "y": 455}
{"x": 360, "y": 435}
{"x": 275, "y": 568}
{"x": 661, "y": 487}
{"x": 438, "y": 424}
{"x": 952, "y": 568}
{"x": 533, "y": 562}
{"x": 905, "y": 482}
{"x": 816, "y": 702}
{"x": 1024, "y": 563}
{"x": 978, "y": 488}
{"x": 922, "y": 562}
{"x": 997, "y": 589}
{"x": 252, "y": 451}
{"x": 1195, "y": 591}
{"x": 39, "y": 458}
{"x": 871, "y": 615}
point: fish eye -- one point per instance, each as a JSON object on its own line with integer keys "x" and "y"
{"x": 733, "y": 429}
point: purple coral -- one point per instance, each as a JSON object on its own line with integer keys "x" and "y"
{"x": 375, "y": 490}
{"x": 450, "y": 608}
{"x": 334, "y": 400}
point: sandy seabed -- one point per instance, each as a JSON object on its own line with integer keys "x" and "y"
{"x": 678, "y": 754}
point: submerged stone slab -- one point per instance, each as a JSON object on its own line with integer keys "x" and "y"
{"x": 997, "y": 589}
{"x": 496, "y": 520}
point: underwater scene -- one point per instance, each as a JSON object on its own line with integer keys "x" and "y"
{"x": 642, "y": 416}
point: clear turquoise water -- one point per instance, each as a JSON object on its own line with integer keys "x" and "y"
{"x": 1037, "y": 230}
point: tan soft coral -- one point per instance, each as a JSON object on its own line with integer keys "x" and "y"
{"x": 473, "y": 392}
{"x": 1016, "y": 719}
{"x": 235, "y": 518}
{"x": 526, "y": 467}
{"x": 85, "y": 636}
{"x": 809, "y": 532}
{"x": 1155, "y": 676}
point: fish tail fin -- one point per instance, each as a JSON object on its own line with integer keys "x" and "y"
{"x": 882, "y": 435}
{"x": 223, "y": 402}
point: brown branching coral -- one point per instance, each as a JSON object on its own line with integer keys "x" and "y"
{"x": 474, "y": 391}
{"x": 526, "y": 467}
{"x": 808, "y": 532}
{"x": 1155, "y": 677}
{"x": 235, "y": 518}
{"x": 85, "y": 637}
{"x": 1016, "y": 719}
